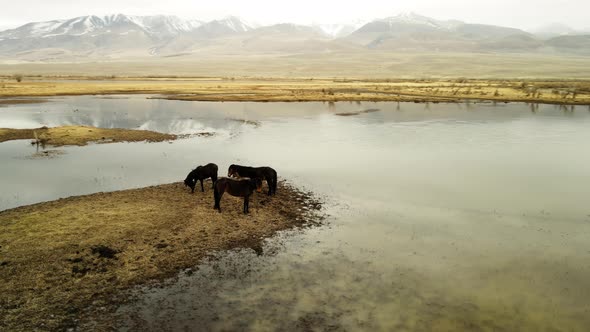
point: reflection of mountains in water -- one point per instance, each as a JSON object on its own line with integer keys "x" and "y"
{"x": 184, "y": 127}
{"x": 178, "y": 126}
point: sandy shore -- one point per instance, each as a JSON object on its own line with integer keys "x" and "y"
{"x": 70, "y": 259}
{"x": 331, "y": 90}
{"x": 82, "y": 135}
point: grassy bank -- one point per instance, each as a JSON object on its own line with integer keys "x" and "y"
{"x": 291, "y": 90}
{"x": 82, "y": 135}
{"x": 60, "y": 258}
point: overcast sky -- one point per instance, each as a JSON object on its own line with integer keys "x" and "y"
{"x": 524, "y": 14}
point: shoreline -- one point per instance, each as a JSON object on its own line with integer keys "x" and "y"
{"x": 559, "y": 92}
{"x": 64, "y": 261}
{"x": 82, "y": 135}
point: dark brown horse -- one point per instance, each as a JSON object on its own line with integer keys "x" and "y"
{"x": 263, "y": 173}
{"x": 199, "y": 174}
{"x": 236, "y": 187}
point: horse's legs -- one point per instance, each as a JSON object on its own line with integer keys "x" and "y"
{"x": 214, "y": 179}
{"x": 217, "y": 195}
{"x": 246, "y": 204}
{"x": 202, "y": 189}
{"x": 269, "y": 183}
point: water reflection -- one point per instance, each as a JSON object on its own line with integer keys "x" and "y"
{"x": 442, "y": 219}
{"x": 180, "y": 117}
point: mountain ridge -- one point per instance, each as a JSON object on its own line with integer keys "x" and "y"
{"x": 120, "y": 35}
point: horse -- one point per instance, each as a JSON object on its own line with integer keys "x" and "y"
{"x": 236, "y": 187}
{"x": 263, "y": 173}
{"x": 200, "y": 173}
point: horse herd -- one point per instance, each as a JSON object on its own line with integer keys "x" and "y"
{"x": 242, "y": 181}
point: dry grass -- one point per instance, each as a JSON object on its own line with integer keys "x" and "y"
{"x": 291, "y": 90}
{"x": 59, "y": 258}
{"x": 373, "y": 64}
{"x": 82, "y": 135}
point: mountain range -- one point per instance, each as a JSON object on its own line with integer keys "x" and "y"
{"x": 119, "y": 36}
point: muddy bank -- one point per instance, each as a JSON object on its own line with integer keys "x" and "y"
{"x": 20, "y": 101}
{"x": 82, "y": 135}
{"x": 59, "y": 258}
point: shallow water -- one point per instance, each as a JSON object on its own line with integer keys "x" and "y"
{"x": 443, "y": 216}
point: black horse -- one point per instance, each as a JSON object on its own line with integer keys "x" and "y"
{"x": 263, "y": 173}
{"x": 236, "y": 187}
{"x": 200, "y": 173}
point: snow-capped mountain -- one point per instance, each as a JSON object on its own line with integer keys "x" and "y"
{"x": 122, "y": 35}
{"x": 412, "y": 23}
{"x": 407, "y": 22}
{"x": 339, "y": 30}
{"x": 410, "y": 31}
{"x": 233, "y": 24}
{"x": 118, "y": 34}
{"x": 411, "y": 18}
{"x": 228, "y": 25}
{"x": 159, "y": 26}
{"x": 162, "y": 26}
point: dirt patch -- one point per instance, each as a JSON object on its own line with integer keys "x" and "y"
{"x": 71, "y": 259}
{"x": 81, "y": 135}
{"x": 203, "y": 134}
{"x": 46, "y": 154}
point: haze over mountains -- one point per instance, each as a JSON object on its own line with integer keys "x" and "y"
{"x": 122, "y": 36}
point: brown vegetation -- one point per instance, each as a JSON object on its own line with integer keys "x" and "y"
{"x": 65, "y": 260}
{"x": 81, "y": 135}
{"x": 270, "y": 89}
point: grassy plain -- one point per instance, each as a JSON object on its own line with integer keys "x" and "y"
{"x": 291, "y": 90}
{"x": 330, "y": 76}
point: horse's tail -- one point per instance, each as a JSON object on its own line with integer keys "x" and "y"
{"x": 214, "y": 175}
{"x": 274, "y": 182}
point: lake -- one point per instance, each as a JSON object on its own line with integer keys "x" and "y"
{"x": 442, "y": 216}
